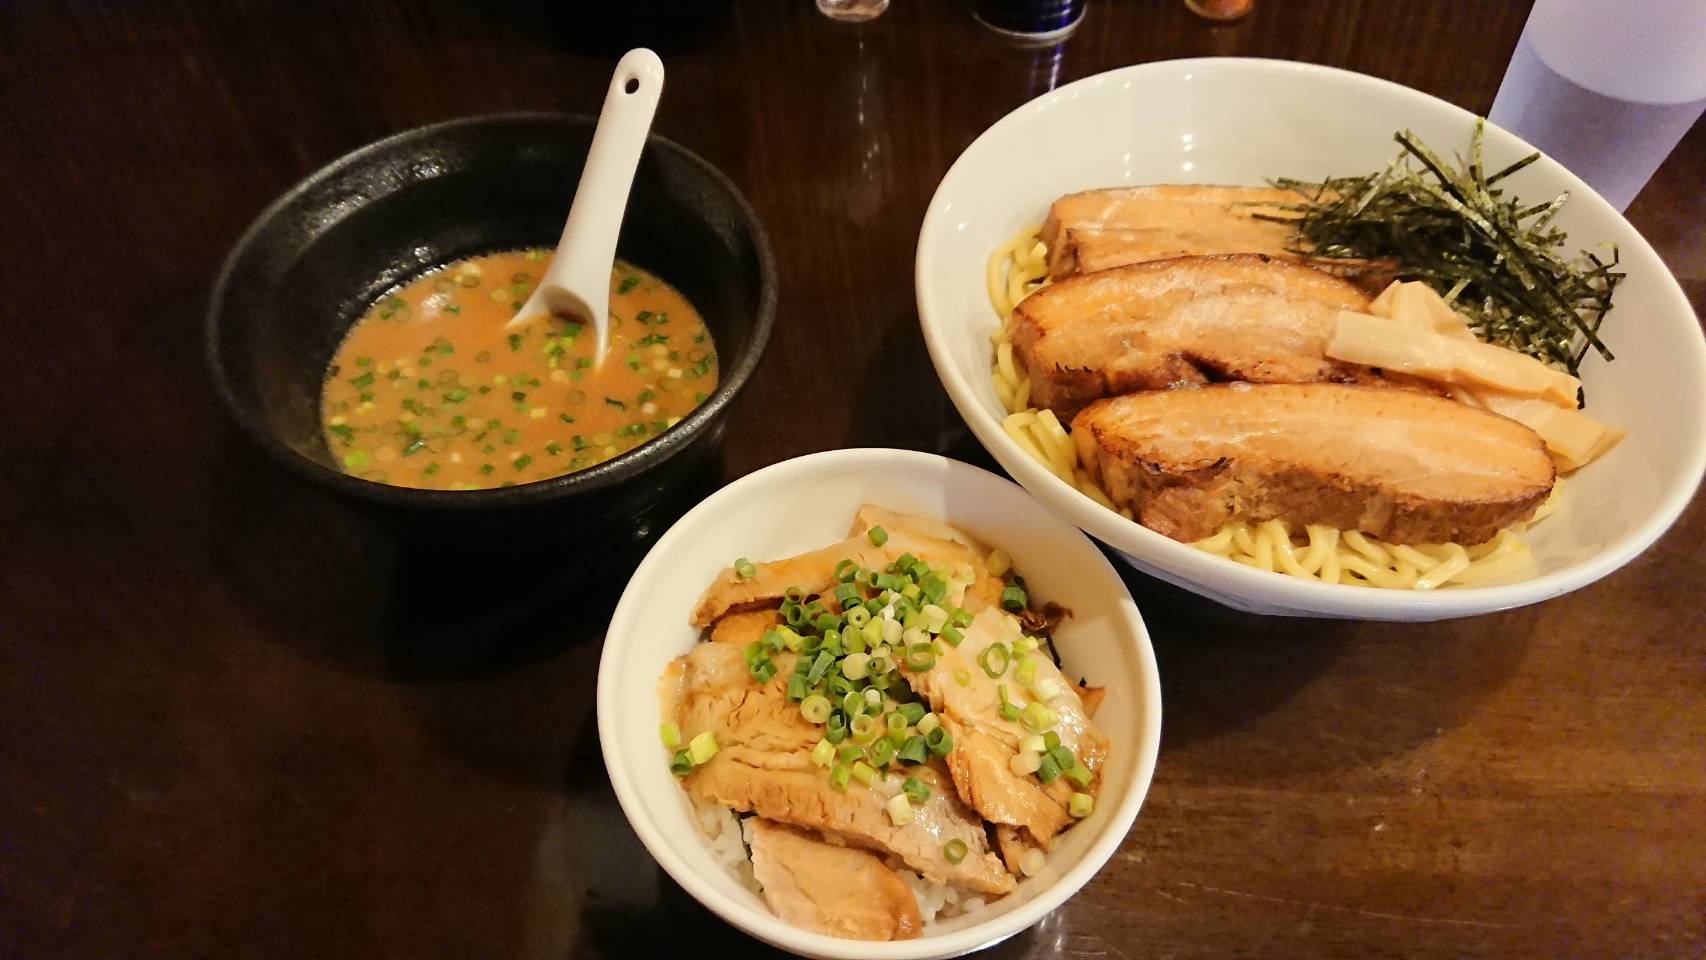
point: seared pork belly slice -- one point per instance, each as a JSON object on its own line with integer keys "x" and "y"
{"x": 1097, "y": 229}
{"x": 813, "y": 572}
{"x": 1101, "y": 229}
{"x": 835, "y": 890}
{"x": 763, "y": 766}
{"x": 1186, "y": 321}
{"x": 1404, "y": 466}
{"x": 985, "y": 743}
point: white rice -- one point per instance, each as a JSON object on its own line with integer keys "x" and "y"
{"x": 728, "y": 837}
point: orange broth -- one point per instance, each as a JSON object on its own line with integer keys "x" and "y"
{"x": 429, "y": 390}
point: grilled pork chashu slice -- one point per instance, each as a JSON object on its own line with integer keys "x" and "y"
{"x": 1185, "y": 321}
{"x": 831, "y": 889}
{"x": 1404, "y": 466}
{"x": 1098, "y": 229}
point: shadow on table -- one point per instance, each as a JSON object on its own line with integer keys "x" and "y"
{"x": 492, "y": 637}
{"x": 1249, "y": 697}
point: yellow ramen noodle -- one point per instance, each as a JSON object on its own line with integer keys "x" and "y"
{"x": 1019, "y": 267}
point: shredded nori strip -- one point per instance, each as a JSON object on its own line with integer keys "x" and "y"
{"x": 1495, "y": 259}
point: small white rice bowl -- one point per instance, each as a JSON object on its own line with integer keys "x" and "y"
{"x": 803, "y": 504}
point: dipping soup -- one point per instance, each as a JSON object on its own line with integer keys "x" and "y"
{"x": 429, "y": 390}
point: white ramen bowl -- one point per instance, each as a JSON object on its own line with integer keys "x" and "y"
{"x": 1241, "y": 121}
{"x": 806, "y": 503}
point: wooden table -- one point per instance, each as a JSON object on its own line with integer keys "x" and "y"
{"x": 228, "y": 726}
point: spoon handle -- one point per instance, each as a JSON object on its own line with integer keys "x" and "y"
{"x": 587, "y": 249}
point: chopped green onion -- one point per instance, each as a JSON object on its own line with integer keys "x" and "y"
{"x": 939, "y": 742}
{"x": 670, "y": 734}
{"x": 848, "y": 754}
{"x": 1048, "y": 770}
{"x": 1024, "y": 763}
{"x": 1013, "y": 597}
{"x": 916, "y": 790}
{"x": 838, "y": 776}
{"x": 846, "y": 571}
{"x": 878, "y": 536}
{"x": 994, "y": 660}
{"x": 927, "y": 723}
{"x": 1063, "y": 758}
{"x": 702, "y": 747}
{"x": 960, "y": 618}
{"x": 820, "y": 666}
{"x": 864, "y": 728}
{"x": 915, "y": 750}
{"x": 880, "y": 752}
{"x": 823, "y": 753}
{"x": 1050, "y": 741}
{"x": 1079, "y": 774}
{"x": 962, "y": 677}
{"x": 955, "y": 850}
{"x": 797, "y": 687}
{"x": 952, "y": 635}
{"x": 681, "y": 764}
{"x": 920, "y": 657}
{"x": 744, "y": 569}
{"x": 1026, "y": 672}
{"x": 864, "y": 772}
{"x": 896, "y": 723}
{"x": 1035, "y": 717}
{"x": 835, "y": 730}
{"x": 900, "y": 810}
{"x": 815, "y": 708}
{"x": 858, "y": 616}
{"x": 913, "y": 712}
{"x": 1081, "y": 805}
{"x": 1009, "y": 710}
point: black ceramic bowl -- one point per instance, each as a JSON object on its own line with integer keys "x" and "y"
{"x": 312, "y": 263}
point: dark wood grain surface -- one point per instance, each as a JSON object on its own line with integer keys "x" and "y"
{"x": 238, "y": 719}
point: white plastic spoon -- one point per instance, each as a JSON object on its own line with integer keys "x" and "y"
{"x": 578, "y": 280}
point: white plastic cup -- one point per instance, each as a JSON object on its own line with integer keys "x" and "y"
{"x": 1607, "y": 88}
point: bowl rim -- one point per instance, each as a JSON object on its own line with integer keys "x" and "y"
{"x": 1180, "y": 563}
{"x": 766, "y": 927}
{"x": 612, "y": 472}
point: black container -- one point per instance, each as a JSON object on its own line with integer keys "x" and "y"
{"x": 314, "y": 260}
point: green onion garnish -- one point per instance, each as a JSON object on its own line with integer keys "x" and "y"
{"x": 702, "y": 747}
{"x": 914, "y": 750}
{"x": 1048, "y": 770}
{"x": 864, "y": 728}
{"x": 994, "y": 660}
{"x": 670, "y": 734}
{"x": 878, "y": 536}
{"x": 815, "y": 708}
{"x": 1013, "y": 597}
{"x": 1081, "y": 805}
{"x": 1034, "y": 717}
{"x": 955, "y": 850}
{"x": 838, "y": 776}
{"x": 823, "y": 753}
{"x": 916, "y": 790}
{"x": 913, "y": 712}
{"x": 744, "y": 569}
{"x": 939, "y": 742}
{"x": 920, "y": 657}
{"x": 681, "y": 764}
{"x": 864, "y": 772}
